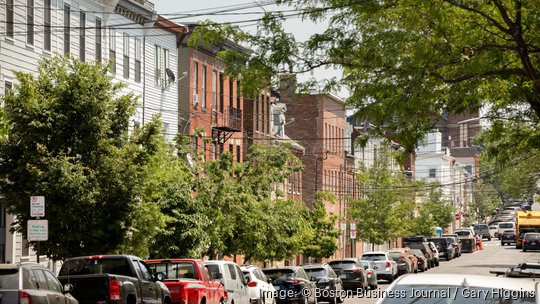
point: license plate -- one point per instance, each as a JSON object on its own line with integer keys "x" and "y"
{"x": 277, "y": 287}
{"x": 369, "y": 276}
{"x": 533, "y": 243}
{"x": 342, "y": 276}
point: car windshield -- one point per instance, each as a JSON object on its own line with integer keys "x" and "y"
{"x": 374, "y": 257}
{"x": 316, "y": 272}
{"x": 343, "y": 264}
{"x": 431, "y": 294}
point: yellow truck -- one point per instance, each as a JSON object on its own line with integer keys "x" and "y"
{"x": 526, "y": 221}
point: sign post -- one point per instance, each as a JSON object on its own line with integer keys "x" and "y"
{"x": 458, "y": 216}
{"x": 37, "y": 230}
{"x": 352, "y": 234}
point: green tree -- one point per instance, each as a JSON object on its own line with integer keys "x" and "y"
{"x": 68, "y": 141}
{"x": 408, "y": 60}
{"x": 387, "y": 201}
{"x": 325, "y": 241}
{"x": 486, "y": 200}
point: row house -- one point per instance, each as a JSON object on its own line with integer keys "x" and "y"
{"x": 210, "y": 104}
{"x": 318, "y": 124}
{"x": 128, "y": 33}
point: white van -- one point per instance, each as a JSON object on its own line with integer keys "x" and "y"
{"x": 233, "y": 280}
{"x": 505, "y": 226}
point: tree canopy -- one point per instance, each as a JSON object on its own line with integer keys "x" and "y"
{"x": 405, "y": 62}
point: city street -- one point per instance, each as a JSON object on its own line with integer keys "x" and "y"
{"x": 493, "y": 257}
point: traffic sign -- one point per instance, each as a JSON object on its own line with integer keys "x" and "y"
{"x": 37, "y": 206}
{"x": 353, "y": 234}
{"x": 343, "y": 225}
{"x": 458, "y": 216}
{"x": 38, "y": 230}
{"x": 353, "y": 225}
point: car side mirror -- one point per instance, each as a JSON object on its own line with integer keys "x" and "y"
{"x": 269, "y": 280}
{"x": 313, "y": 279}
{"x": 160, "y": 276}
{"x": 68, "y": 288}
{"x": 222, "y": 282}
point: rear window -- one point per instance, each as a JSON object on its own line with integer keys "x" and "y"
{"x": 532, "y": 236}
{"x": 463, "y": 233}
{"x": 279, "y": 274}
{"x": 9, "y": 278}
{"x": 343, "y": 264}
{"x": 316, "y": 272}
{"x": 506, "y": 225}
{"x": 416, "y": 246}
{"x": 182, "y": 270}
{"x": 374, "y": 257}
{"x": 96, "y": 266}
{"x": 438, "y": 241}
{"x": 481, "y": 227}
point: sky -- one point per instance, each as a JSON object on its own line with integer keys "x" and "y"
{"x": 214, "y": 10}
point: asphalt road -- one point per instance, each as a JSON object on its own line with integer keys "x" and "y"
{"x": 492, "y": 257}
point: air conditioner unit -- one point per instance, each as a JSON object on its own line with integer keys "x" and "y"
{"x": 195, "y": 100}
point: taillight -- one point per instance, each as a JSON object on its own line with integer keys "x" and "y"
{"x": 24, "y": 297}
{"x": 293, "y": 282}
{"x": 357, "y": 270}
{"x": 252, "y": 284}
{"x": 370, "y": 272}
{"x": 225, "y": 296}
{"x": 114, "y": 290}
{"x": 387, "y": 264}
{"x": 526, "y": 241}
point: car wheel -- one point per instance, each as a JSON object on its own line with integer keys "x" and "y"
{"x": 390, "y": 280}
{"x": 373, "y": 287}
{"x": 524, "y": 250}
{"x": 489, "y": 239}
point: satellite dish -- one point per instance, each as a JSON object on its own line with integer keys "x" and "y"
{"x": 170, "y": 74}
{"x": 190, "y": 160}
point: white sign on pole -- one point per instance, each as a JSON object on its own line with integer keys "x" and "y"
{"x": 38, "y": 230}
{"x": 37, "y": 206}
{"x": 343, "y": 225}
{"x": 353, "y": 234}
{"x": 353, "y": 225}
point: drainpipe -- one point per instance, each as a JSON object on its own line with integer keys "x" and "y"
{"x": 144, "y": 76}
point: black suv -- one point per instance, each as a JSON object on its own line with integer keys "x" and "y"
{"x": 420, "y": 242}
{"x": 445, "y": 247}
{"x": 351, "y": 272}
{"x": 482, "y": 230}
{"x": 32, "y": 283}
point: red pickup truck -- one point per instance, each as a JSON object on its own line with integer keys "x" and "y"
{"x": 189, "y": 281}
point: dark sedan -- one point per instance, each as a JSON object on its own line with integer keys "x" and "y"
{"x": 351, "y": 272}
{"x": 445, "y": 247}
{"x": 330, "y": 287}
{"x": 531, "y": 241}
{"x": 507, "y": 238}
{"x": 289, "y": 283}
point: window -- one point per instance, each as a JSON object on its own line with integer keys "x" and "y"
{"x": 214, "y": 90}
{"x": 195, "y": 83}
{"x": 432, "y": 173}
{"x": 158, "y": 70}
{"x": 146, "y": 274}
{"x": 98, "y": 39}
{"x": 67, "y": 29}
{"x": 256, "y": 116}
{"x": 82, "y": 36}
{"x": 138, "y": 48}
{"x": 232, "y": 271}
{"x": 263, "y": 114}
{"x": 203, "y": 87}
{"x": 25, "y": 247}
{"x": 47, "y": 25}
{"x": 126, "y": 55}
{"x": 112, "y": 50}
{"x": 53, "y": 282}
{"x": 238, "y": 153}
{"x": 165, "y": 67}
{"x": 9, "y": 18}
{"x": 30, "y": 22}
{"x": 238, "y": 91}
{"x": 221, "y": 83}
{"x": 231, "y": 90}
{"x": 41, "y": 279}
{"x": 214, "y": 152}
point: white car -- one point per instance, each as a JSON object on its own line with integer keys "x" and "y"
{"x": 459, "y": 289}
{"x": 504, "y": 227}
{"x": 233, "y": 280}
{"x": 385, "y": 267}
{"x": 260, "y": 291}
{"x": 493, "y": 230}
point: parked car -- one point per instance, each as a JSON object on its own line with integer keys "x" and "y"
{"x": 483, "y": 231}
{"x": 423, "y": 263}
{"x": 493, "y": 230}
{"x": 461, "y": 288}
{"x": 290, "y": 281}
{"x": 404, "y": 264}
{"x": 385, "y": 267}
{"x": 446, "y": 249}
{"x": 421, "y": 244}
{"x": 180, "y": 274}
{"x": 507, "y": 238}
{"x": 435, "y": 252}
{"x": 464, "y": 233}
{"x": 505, "y": 226}
{"x": 326, "y": 280}
{"x": 371, "y": 274}
{"x": 531, "y": 241}
{"x": 102, "y": 278}
{"x": 261, "y": 291}
{"x": 456, "y": 243}
{"x": 32, "y": 283}
{"x": 351, "y": 272}
{"x": 232, "y": 278}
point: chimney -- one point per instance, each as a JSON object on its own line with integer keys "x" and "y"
{"x": 287, "y": 87}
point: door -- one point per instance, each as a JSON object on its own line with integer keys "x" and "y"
{"x": 54, "y": 294}
{"x": 211, "y": 290}
{"x": 149, "y": 292}
{"x": 242, "y": 284}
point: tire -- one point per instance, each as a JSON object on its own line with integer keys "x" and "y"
{"x": 524, "y": 250}
{"x": 373, "y": 287}
{"x": 390, "y": 280}
{"x": 489, "y": 239}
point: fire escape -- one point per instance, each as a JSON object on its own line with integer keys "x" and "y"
{"x": 225, "y": 122}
